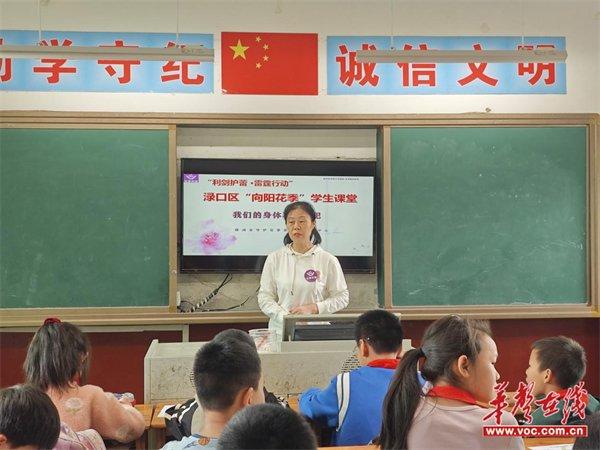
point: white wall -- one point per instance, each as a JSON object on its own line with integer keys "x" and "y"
{"x": 578, "y": 20}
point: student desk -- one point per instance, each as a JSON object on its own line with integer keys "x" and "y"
{"x": 293, "y": 401}
{"x": 529, "y": 442}
{"x": 532, "y": 442}
{"x": 353, "y": 447}
{"x": 158, "y": 425}
{"x": 147, "y": 411}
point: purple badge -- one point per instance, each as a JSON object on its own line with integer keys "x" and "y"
{"x": 311, "y": 275}
{"x": 191, "y": 178}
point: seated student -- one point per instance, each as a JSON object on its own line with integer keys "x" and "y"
{"x": 29, "y": 419}
{"x": 57, "y": 362}
{"x": 352, "y": 401}
{"x": 188, "y": 416}
{"x": 458, "y": 364}
{"x": 227, "y": 376}
{"x": 267, "y": 427}
{"x": 556, "y": 364}
{"x": 592, "y": 441}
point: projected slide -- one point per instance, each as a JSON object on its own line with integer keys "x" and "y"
{"x": 242, "y": 215}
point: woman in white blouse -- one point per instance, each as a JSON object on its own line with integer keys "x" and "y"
{"x": 301, "y": 277}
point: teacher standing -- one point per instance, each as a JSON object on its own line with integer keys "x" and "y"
{"x": 301, "y": 277}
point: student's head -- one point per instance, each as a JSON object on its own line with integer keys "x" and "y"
{"x": 592, "y": 441}
{"x": 58, "y": 355}
{"x": 28, "y": 419}
{"x": 301, "y": 223}
{"x": 455, "y": 351}
{"x": 555, "y": 362}
{"x": 269, "y": 427}
{"x": 235, "y": 335}
{"x": 227, "y": 376}
{"x": 377, "y": 332}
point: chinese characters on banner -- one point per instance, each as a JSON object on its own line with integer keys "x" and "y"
{"x": 243, "y": 214}
{"x": 347, "y": 76}
{"x": 280, "y": 64}
{"x": 574, "y": 401}
{"x": 104, "y": 75}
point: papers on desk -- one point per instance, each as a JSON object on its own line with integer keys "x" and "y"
{"x": 552, "y": 447}
{"x": 163, "y": 412}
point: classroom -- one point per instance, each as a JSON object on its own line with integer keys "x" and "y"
{"x": 530, "y": 265}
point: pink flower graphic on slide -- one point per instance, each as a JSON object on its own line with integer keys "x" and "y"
{"x": 212, "y": 239}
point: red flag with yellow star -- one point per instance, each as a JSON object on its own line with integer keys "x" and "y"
{"x": 269, "y": 63}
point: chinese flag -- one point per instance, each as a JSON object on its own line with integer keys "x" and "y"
{"x": 269, "y": 63}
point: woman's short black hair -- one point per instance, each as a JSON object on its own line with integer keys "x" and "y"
{"x": 28, "y": 417}
{"x": 58, "y": 354}
{"x": 267, "y": 426}
{"x": 315, "y": 237}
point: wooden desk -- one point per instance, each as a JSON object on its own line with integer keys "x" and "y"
{"x": 353, "y": 447}
{"x": 529, "y": 442}
{"x": 141, "y": 443}
{"x": 532, "y": 442}
{"x": 293, "y": 402}
{"x": 158, "y": 425}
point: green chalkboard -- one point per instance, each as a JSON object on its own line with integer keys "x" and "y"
{"x": 489, "y": 215}
{"x": 84, "y": 218}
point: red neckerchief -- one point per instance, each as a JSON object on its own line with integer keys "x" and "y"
{"x": 452, "y": 393}
{"x": 563, "y": 392}
{"x": 384, "y": 363}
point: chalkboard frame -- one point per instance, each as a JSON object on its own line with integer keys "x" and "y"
{"x": 590, "y": 308}
{"x": 110, "y": 314}
{"x": 113, "y": 317}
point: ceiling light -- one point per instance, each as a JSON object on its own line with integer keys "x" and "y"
{"x": 178, "y": 53}
{"x": 461, "y": 56}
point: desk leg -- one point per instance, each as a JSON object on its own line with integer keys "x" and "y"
{"x": 141, "y": 443}
{"x": 157, "y": 437}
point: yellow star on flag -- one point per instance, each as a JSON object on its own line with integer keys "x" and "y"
{"x": 258, "y": 65}
{"x": 266, "y": 46}
{"x": 239, "y": 50}
{"x": 258, "y": 39}
{"x": 265, "y": 58}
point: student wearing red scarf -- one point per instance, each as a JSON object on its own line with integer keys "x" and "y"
{"x": 352, "y": 402}
{"x": 456, "y": 358}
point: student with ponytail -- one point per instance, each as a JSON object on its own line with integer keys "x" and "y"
{"x": 457, "y": 358}
{"x": 301, "y": 277}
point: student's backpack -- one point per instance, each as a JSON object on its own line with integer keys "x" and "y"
{"x": 180, "y": 417}
{"x": 179, "y": 422}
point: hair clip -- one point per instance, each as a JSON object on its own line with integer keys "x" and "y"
{"x": 426, "y": 387}
{"x": 50, "y": 320}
